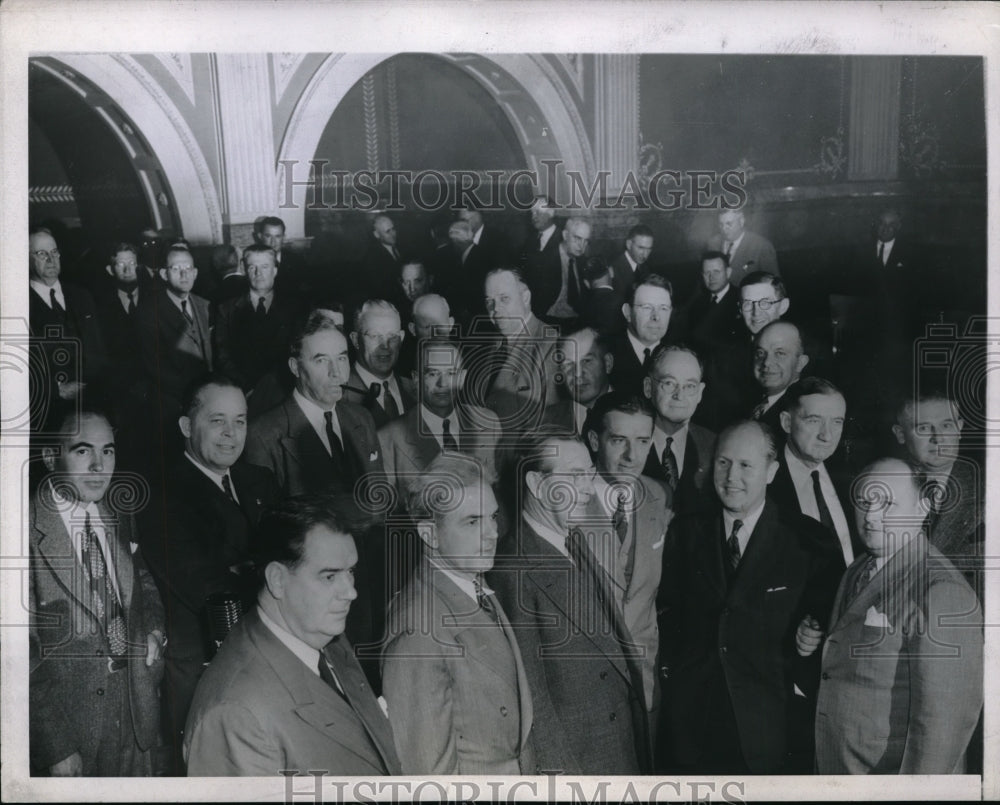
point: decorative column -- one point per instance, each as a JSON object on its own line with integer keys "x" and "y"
{"x": 246, "y": 140}
{"x": 616, "y": 116}
{"x": 873, "y": 138}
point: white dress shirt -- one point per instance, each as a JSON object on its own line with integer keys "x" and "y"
{"x": 73, "y": 515}
{"x": 310, "y": 656}
{"x": 678, "y": 446}
{"x": 549, "y": 534}
{"x": 368, "y": 378}
{"x": 45, "y": 292}
{"x": 213, "y": 476}
{"x": 746, "y": 530}
{"x": 317, "y": 419}
{"x": 435, "y": 424}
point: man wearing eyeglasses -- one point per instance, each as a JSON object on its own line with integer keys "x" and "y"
{"x": 648, "y": 313}
{"x": 174, "y": 336}
{"x": 377, "y": 338}
{"x": 60, "y": 316}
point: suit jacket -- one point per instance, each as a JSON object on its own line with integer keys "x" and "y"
{"x": 543, "y": 271}
{"x": 958, "y": 529}
{"x": 68, "y": 647}
{"x": 119, "y": 330}
{"x": 755, "y": 253}
{"x": 736, "y": 636}
{"x": 902, "y": 682}
{"x": 589, "y": 709}
{"x": 407, "y": 392}
{"x": 711, "y": 324}
{"x": 458, "y": 696}
{"x": 380, "y": 277}
{"x": 634, "y": 567}
{"x": 694, "y": 488}
{"x": 259, "y": 709}
{"x": 173, "y": 351}
{"x": 627, "y": 373}
{"x": 283, "y": 441}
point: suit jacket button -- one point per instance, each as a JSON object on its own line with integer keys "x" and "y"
{"x": 503, "y": 710}
{"x": 825, "y": 675}
{"x": 100, "y": 691}
{"x": 604, "y": 674}
{"x": 614, "y": 716}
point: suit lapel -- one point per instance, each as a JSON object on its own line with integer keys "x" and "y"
{"x": 56, "y": 548}
{"x": 301, "y": 442}
{"x": 710, "y": 554}
{"x": 119, "y": 536}
{"x": 758, "y": 557}
{"x": 424, "y": 448}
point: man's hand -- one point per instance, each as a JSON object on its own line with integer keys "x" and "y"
{"x": 154, "y": 646}
{"x": 808, "y": 636}
{"x": 68, "y": 767}
{"x": 70, "y": 389}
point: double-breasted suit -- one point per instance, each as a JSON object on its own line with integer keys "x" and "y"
{"x": 458, "y": 695}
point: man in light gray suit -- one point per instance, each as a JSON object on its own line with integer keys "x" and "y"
{"x": 453, "y": 677}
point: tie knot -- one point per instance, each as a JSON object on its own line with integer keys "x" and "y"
{"x": 446, "y": 425}
{"x": 385, "y": 387}
{"x": 737, "y": 525}
{"x": 328, "y": 416}
{"x": 670, "y": 441}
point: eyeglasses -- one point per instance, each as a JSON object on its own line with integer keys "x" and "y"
{"x": 748, "y": 305}
{"x": 392, "y": 339}
{"x": 41, "y": 254}
{"x": 669, "y": 385}
{"x": 129, "y": 264}
{"x": 663, "y": 310}
{"x": 181, "y": 271}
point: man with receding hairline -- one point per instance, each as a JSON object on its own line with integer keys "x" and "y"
{"x": 747, "y": 251}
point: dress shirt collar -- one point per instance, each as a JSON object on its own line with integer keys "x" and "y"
{"x": 478, "y": 234}
{"x": 435, "y": 424}
{"x": 368, "y": 378}
{"x": 886, "y": 248}
{"x": 298, "y": 647}
{"x": 677, "y": 446}
{"x": 177, "y": 302}
{"x": 608, "y": 492}
{"x": 316, "y": 416}
{"x": 749, "y": 524}
{"x": 720, "y": 295}
{"x": 545, "y": 234}
{"x": 549, "y": 534}
{"x": 212, "y": 475}
{"x": 638, "y": 346}
{"x": 45, "y": 292}
{"x": 123, "y": 297}
{"x": 465, "y": 584}
{"x": 267, "y": 297}
{"x": 632, "y": 263}
{"x": 527, "y": 328}
{"x": 773, "y": 398}
{"x": 736, "y": 243}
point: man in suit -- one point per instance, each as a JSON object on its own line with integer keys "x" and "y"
{"x": 292, "y": 281}
{"x": 377, "y": 338}
{"x": 812, "y": 419}
{"x": 585, "y": 370}
{"x": 738, "y": 578}
{"x": 227, "y": 279}
{"x": 455, "y": 684}
{"x": 517, "y": 376}
{"x": 712, "y": 313}
{"x": 174, "y": 336}
{"x": 414, "y": 281}
{"x": 928, "y": 426}
{"x": 381, "y": 262}
{"x": 902, "y": 682}
{"x": 630, "y": 265}
{"x": 648, "y": 314}
{"x": 487, "y": 241}
{"x": 747, "y": 251}
{"x": 96, "y": 631}
{"x": 681, "y": 452}
{"x": 431, "y": 318}
{"x": 778, "y": 361}
{"x": 58, "y": 314}
{"x": 540, "y": 263}
{"x": 250, "y": 337}
{"x": 564, "y": 311}
{"x": 461, "y": 270}
{"x": 583, "y": 670}
{"x": 632, "y": 513}
{"x": 285, "y": 691}
{"x": 197, "y": 535}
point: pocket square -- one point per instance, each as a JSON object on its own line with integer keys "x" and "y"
{"x": 877, "y": 619}
{"x": 775, "y": 589}
{"x": 658, "y": 545}
{"x": 133, "y": 547}
{"x": 373, "y": 456}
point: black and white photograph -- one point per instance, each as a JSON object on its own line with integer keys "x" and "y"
{"x": 490, "y": 401}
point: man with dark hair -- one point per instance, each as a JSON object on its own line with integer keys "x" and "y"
{"x": 712, "y": 312}
{"x": 291, "y": 281}
{"x": 454, "y": 681}
{"x": 381, "y": 263}
{"x": 747, "y": 251}
{"x": 586, "y": 684}
{"x": 681, "y": 452}
{"x": 540, "y": 263}
{"x": 96, "y": 622}
{"x": 585, "y": 370}
{"x": 197, "y": 534}
{"x": 632, "y": 513}
{"x": 285, "y": 691}
{"x": 251, "y": 333}
{"x": 648, "y": 314}
{"x": 738, "y": 578}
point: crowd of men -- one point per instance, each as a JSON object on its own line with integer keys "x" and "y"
{"x": 501, "y": 509}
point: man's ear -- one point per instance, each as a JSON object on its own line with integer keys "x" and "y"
{"x": 592, "y": 441}
{"x": 49, "y": 456}
{"x": 786, "y": 421}
{"x": 184, "y": 423}
{"x": 427, "y": 533}
{"x": 354, "y": 340}
{"x": 293, "y": 367}
{"x": 163, "y": 274}
{"x": 899, "y": 434}
{"x": 772, "y": 469}
{"x": 647, "y": 388}
{"x": 110, "y": 271}
{"x": 533, "y": 480}
{"x": 783, "y": 306}
{"x": 609, "y": 363}
{"x": 800, "y": 364}
{"x": 274, "y": 578}
{"x": 627, "y": 311}
{"x": 412, "y": 328}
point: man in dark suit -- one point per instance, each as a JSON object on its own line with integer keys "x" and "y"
{"x": 713, "y": 312}
{"x": 540, "y": 262}
{"x": 487, "y": 240}
{"x": 629, "y": 266}
{"x": 778, "y": 361}
{"x": 251, "y": 333}
{"x": 59, "y": 315}
{"x": 292, "y": 281}
{"x": 174, "y": 336}
{"x": 812, "y": 418}
{"x": 564, "y": 312}
{"x": 461, "y": 271}
{"x": 285, "y": 691}
{"x": 377, "y": 338}
{"x": 681, "y": 452}
{"x": 586, "y": 683}
{"x": 902, "y": 680}
{"x": 381, "y": 263}
{"x": 585, "y": 370}
{"x": 431, "y": 318}
{"x": 197, "y": 536}
{"x": 414, "y": 281}
{"x": 737, "y": 580}
{"x": 458, "y": 696}
{"x": 648, "y": 314}
{"x": 96, "y": 631}
{"x": 747, "y": 251}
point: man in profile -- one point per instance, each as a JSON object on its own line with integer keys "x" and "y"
{"x": 285, "y": 690}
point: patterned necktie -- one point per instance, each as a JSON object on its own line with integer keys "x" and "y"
{"x": 669, "y": 464}
{"x": 760, "y": 409}
{"x": 336, "y": 447}
{"x": 824, "y": 511}
{"x": 186, "y": 312}
{"x": 55, "y": 303}
{"x": 619, "y": 519}
{"x": 228, "y": 487}
{"x": 734, "y": 544}
{"x": 485, "y": 602}
{"x": 102, "y": 591}
{"x": 389, "y": 402}
{"x": 261, "y": 309}
{"x": 864, "y": 576}
{"x": 446, "y": 437}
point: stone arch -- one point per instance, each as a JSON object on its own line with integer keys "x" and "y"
{"x": 537, "y": 103}
{"x": 169, "y": 136}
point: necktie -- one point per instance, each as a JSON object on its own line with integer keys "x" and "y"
{"x": 863, "y": 577}
{"x": 130, "y": 309}
{"x": 261, "y": 309}
{"x": 881, "y": 250}
{"x": 734, "y": 544}
{"x": 760, "y": 409}
{"x": 389, "y": 402}
{"x": 824, "y": 511}
{"x": 186, "y": 312}
{"x": 645, "y": 357}
{"x": 326, "y": 674}
{"x": 336, "y": 448}
{"x": 620, "y": 519}
{"x": 228, "y": 487}
{"x": 573, "y": 295}
{"x": 485, "y": 602}
{"x": 447, "y": 438}
{"x": 729, "y": 247}
{"x": 55, "y": 303}
{"x": 715, "y": 299}
{"x": 669, "y": 463}
{"x": 395, "y": 254}
{"x": 102, "y": 591}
